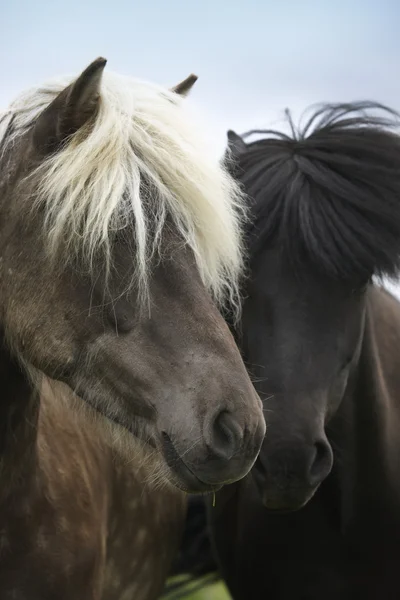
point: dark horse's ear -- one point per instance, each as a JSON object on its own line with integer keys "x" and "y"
{"x": 184, "y": 87}
{"x": 235, "y": 148}
{"x": 70, "y": 110}
{"x": 236, "y": 145}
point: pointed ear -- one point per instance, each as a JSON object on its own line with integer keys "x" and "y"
{"x": 184, "y": 87}
{"x": 236, "y": 145}
{"x": 70, "y": 110}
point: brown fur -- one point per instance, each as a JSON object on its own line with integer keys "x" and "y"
{"x": 169, "y": 371}
{"x": 80, "y": 520}
{"x": 77, "y": 519}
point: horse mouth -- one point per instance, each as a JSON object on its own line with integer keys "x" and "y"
{"x": 281, "y": 500}
{"x": 283, "y": 507}
{"x": 182, "y": 476}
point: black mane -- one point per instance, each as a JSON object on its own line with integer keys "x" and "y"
{"x": 329, "y": 193}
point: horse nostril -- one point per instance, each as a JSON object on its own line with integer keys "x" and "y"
{"x": 321, "y": 463}
{"x": 226, "y": 436}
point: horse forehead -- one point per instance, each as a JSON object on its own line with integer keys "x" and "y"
{"x": 307, "y": 293}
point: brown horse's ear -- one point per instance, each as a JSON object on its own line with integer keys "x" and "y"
{"x": 70, "y": 110}
{"x": 184, "y": 87}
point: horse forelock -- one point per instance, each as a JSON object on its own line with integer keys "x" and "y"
{"x": 329, "y": 192}
{"x": 141, "y": 161}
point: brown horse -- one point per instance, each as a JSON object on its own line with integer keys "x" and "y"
{"x": 118, "y": 237}
{"x": 79, "y": 520}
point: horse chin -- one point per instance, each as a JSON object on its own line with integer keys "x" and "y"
{"x": 189, "y": 483}
{"x": 281, "y": 510}
{"x": 286, "y": 502}
{"x": 180, "y": 474}
{"x": 282, "y": 499}
{"x": 157, "y": 456}
{"x": 161, "y": 468}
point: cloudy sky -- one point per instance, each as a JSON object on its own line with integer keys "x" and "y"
{"x": 253, "y": 57}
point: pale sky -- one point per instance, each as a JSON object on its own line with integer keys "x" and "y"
{"x": 254, "y": 58}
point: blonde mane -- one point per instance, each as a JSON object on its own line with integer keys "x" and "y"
{"x": 141, "y": 160}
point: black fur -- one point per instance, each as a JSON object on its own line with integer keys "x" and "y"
{"x": 329, "y": 192}
{"x": 195, "y": 556}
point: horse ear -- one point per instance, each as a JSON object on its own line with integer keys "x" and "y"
{"x": 184, "y": 87}
{"x": 70, "y": 110}
{"x": 236, "y": 145}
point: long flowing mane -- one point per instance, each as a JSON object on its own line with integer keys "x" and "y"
{"x": 141, "y": 162}
{"x": 328, "y": 192}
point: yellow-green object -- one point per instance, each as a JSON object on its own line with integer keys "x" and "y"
{"x": 211, "y": 592}
{"x": 214, "y": 591}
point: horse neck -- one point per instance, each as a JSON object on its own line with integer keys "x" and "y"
{"x": 367, "y": 461}
{"x": 19, "y": 411}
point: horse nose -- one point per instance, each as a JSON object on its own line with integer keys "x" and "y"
{"x": 320, "y": 462}
{"x": 225, "y": 436}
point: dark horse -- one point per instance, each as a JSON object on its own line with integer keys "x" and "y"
{"x": 319, "y": 516}
{"x": 118, "y": 236}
